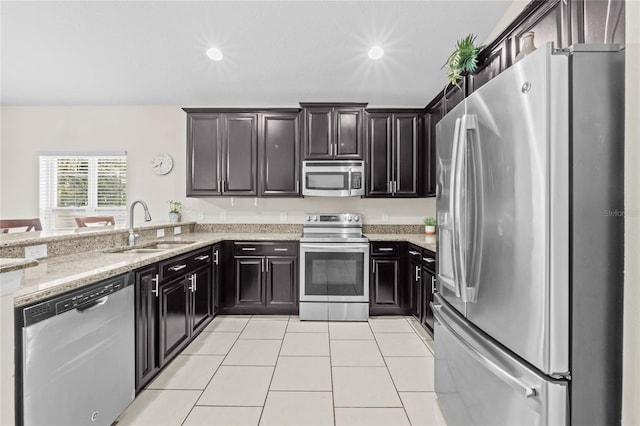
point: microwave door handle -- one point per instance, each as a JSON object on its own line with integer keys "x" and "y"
{"x": 349, "y": 183}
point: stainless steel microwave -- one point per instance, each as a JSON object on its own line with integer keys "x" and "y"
{"x": 333, "y": 178}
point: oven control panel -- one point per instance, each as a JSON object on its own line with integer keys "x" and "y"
{"x": 332, "y": 219}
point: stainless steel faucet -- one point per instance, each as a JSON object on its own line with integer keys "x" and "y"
{"x": 147, "y": 217}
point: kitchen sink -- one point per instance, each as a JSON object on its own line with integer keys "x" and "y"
{"x": 157, "y": 247}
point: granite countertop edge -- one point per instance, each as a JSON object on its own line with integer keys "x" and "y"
{"x": 53, "y": 276}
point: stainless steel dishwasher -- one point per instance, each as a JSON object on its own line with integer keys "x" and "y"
{"x": 78, "y": 365}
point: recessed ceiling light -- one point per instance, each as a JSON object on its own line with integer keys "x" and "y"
{"x": 376, "y": 52}
{"x": 214, "y": 53}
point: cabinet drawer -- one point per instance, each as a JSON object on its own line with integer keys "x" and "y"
{"x": 414, "y": 253}
{"x": 265, "y": 248}
{"x": 184, "y": 263}
{"x": 385, "y": 248}
{"x": 429, "y": 260}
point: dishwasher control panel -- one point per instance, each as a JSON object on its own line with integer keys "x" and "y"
{"x": 83, "y": 297}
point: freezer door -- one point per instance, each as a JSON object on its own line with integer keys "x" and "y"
{"x": 513, "y": 196}
{"x": 447, "y": 137}
{"x": 478, "y": 383}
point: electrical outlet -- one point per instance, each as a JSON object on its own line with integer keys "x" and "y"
{"x": 223, "y": 215}
{"x": 385, "y": 217}
{"x": 177, "y": 230}
{"x": 201, "y": 216}
{"x": 283, "y": 217}
{"x": 35, "y": 252}
{"x": 160, "y": 233}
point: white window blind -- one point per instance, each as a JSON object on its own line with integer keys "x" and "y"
{"x": 77, "y": 185}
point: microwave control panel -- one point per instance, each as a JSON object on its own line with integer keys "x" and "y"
{"x": 356, "y": 181}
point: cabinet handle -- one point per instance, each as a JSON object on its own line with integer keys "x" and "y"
{"x": 176, "y": 268}
{"x": 219, "y": 185}
{"x": 413, "y": 252}
{"x": 428, "y": 259}
{"x": 395, "y": 186}
{"x": 433, "y": 284}
{"x": 215, "y": 257}
{"x": 389, "y": 187}
{"x": 192, "y": 280}
{"x": 248, "y": 249}
{"x": 330, "y": 150}
{"x": 373, "y": 267}
{"x": 417, "y": 273}
{"x": 262, "y": 264}
{"x": 155, "y": 280}
{"x": 266, "y": 262}
{"x": 203, "y": 257}
{"x": 385, "y": 249}
{"x": 297, "y": 186}
{"x": 280, "y": 249}
{"x": 223, "y": 185}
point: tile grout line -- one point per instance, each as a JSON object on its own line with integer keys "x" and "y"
{"x": 214, "y": 373}
{"x": 273, "y": 373}
{"x": 390, "y": 376}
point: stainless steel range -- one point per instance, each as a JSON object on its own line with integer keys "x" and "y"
{"x": 334, "y": 268}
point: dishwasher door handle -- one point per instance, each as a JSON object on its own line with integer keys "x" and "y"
{"x": 93, "y": 305}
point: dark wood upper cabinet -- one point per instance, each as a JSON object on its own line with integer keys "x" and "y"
{"x": 240, "y": 152}
{"x": 549, "y": 23}
{"x": 279, "y": 154}
{"x": 490, "y": 64}
{"x": 333, "y": 131}
{"x": 603, "y": 21}
{"x": 222, "y": 154}
{"x": 453, "y": 95}
{"x": 204, "y": 148}
{"x": 394, "y": 139}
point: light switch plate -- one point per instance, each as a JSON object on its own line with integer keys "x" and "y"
{"x": 160, "y": 233}
{"x": 177, "y": 230}
{"x": 283, "y": 217}
{"x": 35, "y": 252}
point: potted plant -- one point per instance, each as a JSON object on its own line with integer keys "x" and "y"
{"x": 430, "y": 226}
{"x": 463, "y": 59}
{"x": 175, "y": 211}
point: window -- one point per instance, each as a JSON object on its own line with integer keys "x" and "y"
{"x": 74, "y": 185}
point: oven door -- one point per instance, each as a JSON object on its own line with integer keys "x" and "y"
{"x": 334, "y": 272}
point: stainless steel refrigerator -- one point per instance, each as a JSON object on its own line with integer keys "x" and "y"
{"x": 530, "y": 244}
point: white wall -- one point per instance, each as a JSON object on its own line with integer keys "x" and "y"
{"x": 143, "y": 131}
{"x": 631, "y": 339}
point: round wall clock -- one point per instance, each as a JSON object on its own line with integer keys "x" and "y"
{"x": 162, "y": 163}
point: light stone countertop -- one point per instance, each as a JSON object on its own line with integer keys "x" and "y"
{"x": 56, "y": 275}
{"x": 425, "y": 241}
{"x": 52, "y": 276}
{"x": 12, "y": 264}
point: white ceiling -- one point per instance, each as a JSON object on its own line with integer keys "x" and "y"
{"x": 276, "y": 53}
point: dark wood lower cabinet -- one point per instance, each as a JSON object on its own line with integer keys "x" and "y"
{"x": 384, "y": 286}
{"x": 264, "y": 281}
{"x": 428, "y": 284}
{"x": 174, "y": 318}
{"x": 170, "y": 312}
{"x": 146, "y": 306}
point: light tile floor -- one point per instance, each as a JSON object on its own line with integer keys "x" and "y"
{"x": 278, "y": 370}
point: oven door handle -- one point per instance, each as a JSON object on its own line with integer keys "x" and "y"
{"x": 341, "y": 247}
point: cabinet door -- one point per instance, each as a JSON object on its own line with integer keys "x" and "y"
{"x": 201, "y": 294}
{"x": 415, "y": 282}
{"x": 282, "y": 283}
{"x": 173, "y": 318}
{"x": 489, "y": 65}
{"x": 240, "y": 155}
{"x": 279, "y": 152}
{"x": 318, "y": 138}
{"x": 548, "y": 24}
{"x": 454, "y": 95}
{"x": 348, "y": 133}
{"x": 204, "y": 141}
{"x": 406, "y": 155}
{"x": 428, "y": 281}
{"x": 385, "y": 274}
{"x": 146, "y": 302}
{"x": 434, "y": 116}
{"x": 380, "y": 154}
{"x": 595, "y": 21}
{"x": 216, "y": 283}
{"x": 248, "y": 277}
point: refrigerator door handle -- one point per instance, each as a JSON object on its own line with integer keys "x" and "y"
{"x": 453, "y": 285}
{"x": 458, "y": 162}
{"x": 524, "y": 389}
{"x": 469, "y": 245}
